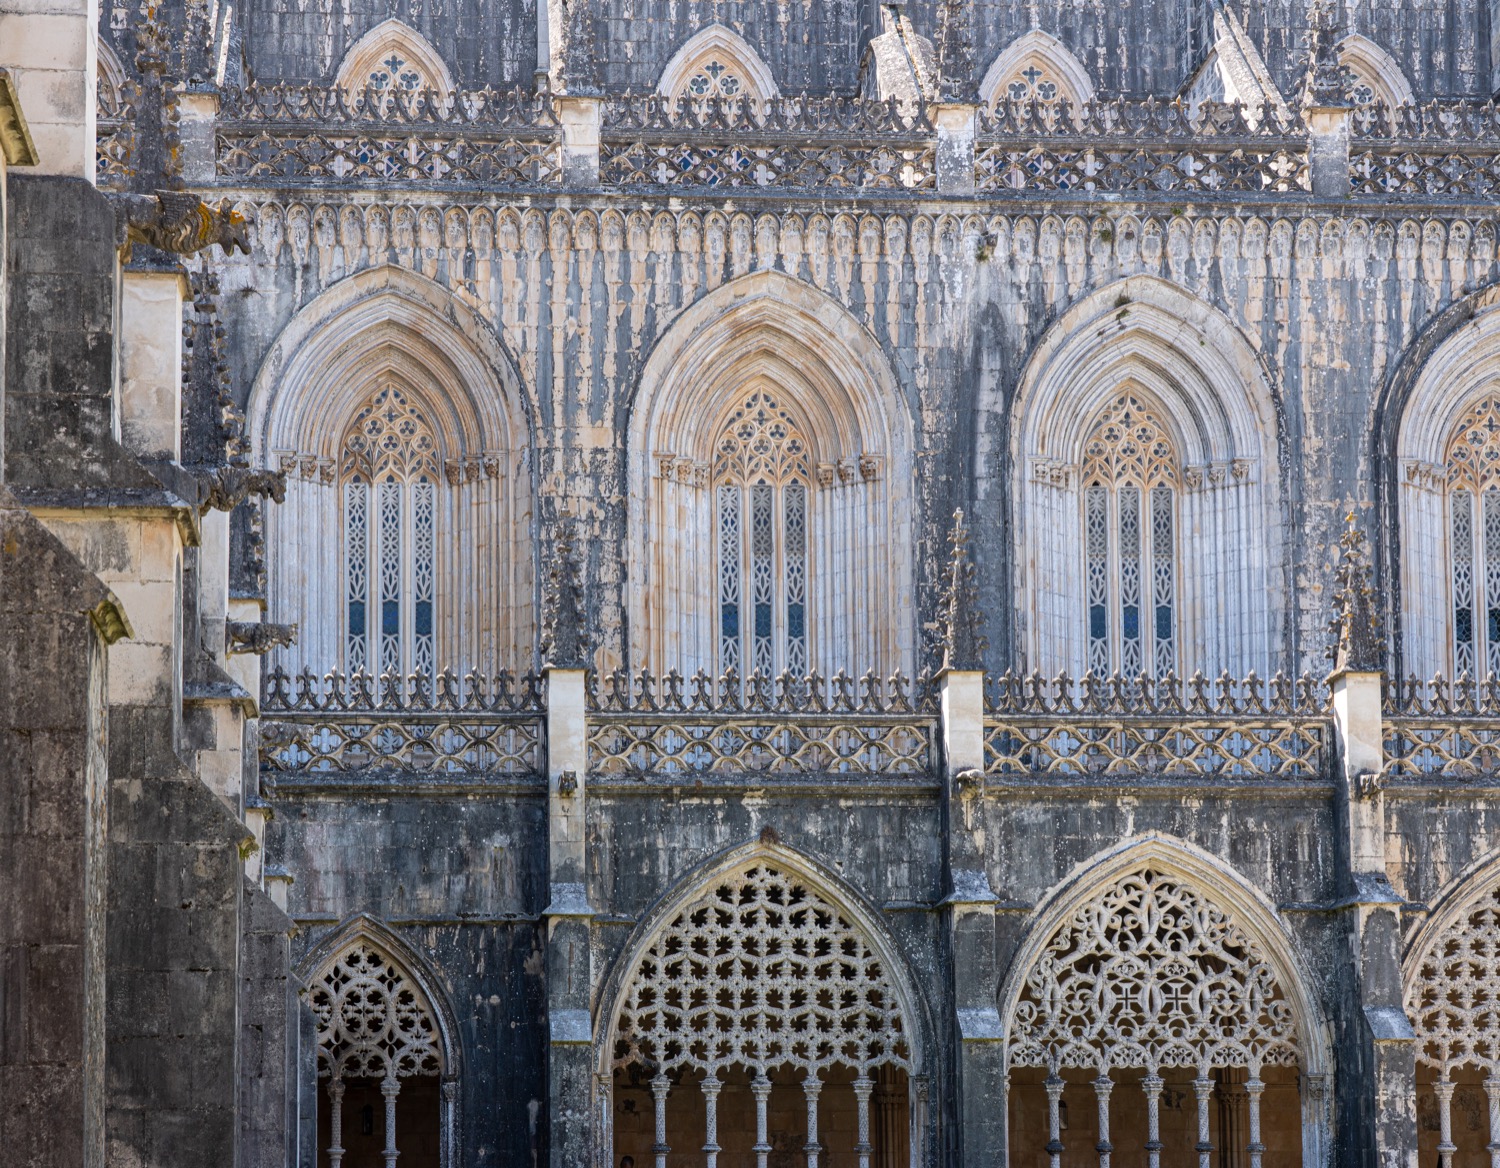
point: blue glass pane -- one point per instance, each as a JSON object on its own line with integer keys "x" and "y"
{"x": 1464, "y": 625}
{"x": 1098, "y": 625}
{"x": 1130, "y": 622}
{"x": 390, "y": 618}
{"x": 794, "y": 619}
{"x": 356, "y": 618}
{"x": 423, "y": 617}
{"x": 729, "y": 620}
{"x": 1163, "y": 622}
{"x": 762, "y": 620}
{"x": 1494, "y": 625}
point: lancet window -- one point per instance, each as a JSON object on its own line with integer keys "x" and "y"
{"x": 1130, "y": 541}
{"x": 1451, "y": 1002}
{"x": 761, "y": 484}
{"x": 1149, "y": 986}
{"x": 377, "y": 1046}
{"x": 389, "y": 476}
{"x": 1473, "y": 480}
{"x": 767, "y": 999}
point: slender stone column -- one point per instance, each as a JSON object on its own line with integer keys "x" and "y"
{"x": 1492, "y": 1092}
{"x": 760, "y": 1086}
{"x": 1253, "y": 1090}
{"x": 1446, "y": 1147}
{"x": 660, "y": 1085}
{"x": 390, "y": 1089}
{"x": 1103, "y": 1085}
{"x": 1054, "y": 1087}
{"x": 335, "y": 1122}
{"x": 863, "y": 1086}
{"x": 711, "y": 1088}
{"x": 812, "y": 1086}
{"x": 1152, "y": 1084}
{"x": 1203, "y": 1087}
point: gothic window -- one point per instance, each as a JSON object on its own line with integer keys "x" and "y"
{"x": 714, "y": 79}
{"x": 761, "y": 485}
{"x": 395, "y": 72}
{"x": 1033, "y": 83}
{"x": 1372, "y": 74}
{"x": 394, "y": 57}
{"x": 1473, "y": 480}
{"x": 1037, "y": 67}
{"x": 717, "y": 63}
{"x": 1130, "y": 541}
{"x": 379, "y": 1054}
{"x": 1149, "y": 986}
{"x": 770, "y": 998}
{"x": 1451, "y": 1002}
{"x": 389, "y": 475}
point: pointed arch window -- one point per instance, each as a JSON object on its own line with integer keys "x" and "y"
{"x": 761, "y": 488}
{"x": 1130, "y": 480}
{"x": 389, "y": 476}
{"x": 1473, "y": 476}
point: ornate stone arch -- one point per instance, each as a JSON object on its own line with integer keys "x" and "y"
{"x": 1448, "y": 370}
{"x": 769, "y": 333}
{"x": 403, "y": 1022}
{"x": 1053, "y": 62}
{"x": 388, "y": 330}
{"x": 1196, "y": 966}
{"x": 112, "y": 78}
{"x": 719, "y": 45}
{"x": 1213, "y": 395}
{"x": 367, "y": 64}
{"x": 784, "y": 921}
{"x": 1373, "y": 69}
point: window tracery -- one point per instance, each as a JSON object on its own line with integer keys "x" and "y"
{"x": 713, "y": 78}
{"x": 1473, "y": 481}
{"x": 1129, "y": 521}
{"x": 372, "y": 1023}
{"x": 762, "y": 477}
{"x": 389, "y": 469}
{"x": 1033, "y": 83}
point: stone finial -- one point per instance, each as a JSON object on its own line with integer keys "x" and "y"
{"x": 580, "y": 59}
{"x": 963, "y": 644}
{"x": 955, "y": 51}
{"x": 565, "y": 639}
{"x": 1327, "y": 86}
{"x": 1356, "y": 631}
{"x": 157, "y": 151}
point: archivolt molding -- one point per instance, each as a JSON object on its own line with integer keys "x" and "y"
{"x": 370, "y": 57}
{"x": 1217, "y": 886}
{"x": 727, "y": 47}
{"x": 1377, "y": 68}
{"x": 1046, "y": 53}
{"x": 861, "y": 920}
{"x": 112, "y": 78}
{"x": 1457, "y": 372}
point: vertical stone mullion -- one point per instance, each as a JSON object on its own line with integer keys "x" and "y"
{"x": 1203, "y": 1088}
{"x": 335, "y": 1121}
{"x": 1152, "y": 1085}
{"x": 389, "y": 1089}
{"x": 760, "y": 1086}
{"x": 660, "y": 1086}
{"x": 1103, "y": 1086}
{"x": 1054, "y": 1086}
{"x": 863, "y": 1086}
{"x": 711, "y": 1087}
{"x": 1446, "y": 1147}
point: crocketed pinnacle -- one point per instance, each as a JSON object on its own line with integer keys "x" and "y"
{"x": 565, "y": 641}
{"x": 963, "y": 644}
{"x": 955, "y": 51}
{"x": 1326, "y": 84}
{"x": 1356, "y": 630}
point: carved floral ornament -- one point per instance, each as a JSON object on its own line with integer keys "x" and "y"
{"x": 372, "y": 1021}
{"x": 1150, "y": 974}
{"x": 1452, "y": 999}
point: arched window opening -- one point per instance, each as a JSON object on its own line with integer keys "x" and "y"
{"x": 1152, "y": 1020}
{"x": 1037, "y": 67}
{"x": 1130, "y": 541}
{"x": 761, "y": 483}
{"x": 717, "y": 63}
{"x": 1374, "y": 78}
{"x": 394, "y": 57}
{"x": 389, "y": 476}
{"x": 1473, "y": 479}
{"x": 761, "y": 1020}
{"x": 380, "y": 1061}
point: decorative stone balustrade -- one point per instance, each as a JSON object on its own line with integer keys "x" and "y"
{"x": 1443, "y": 730}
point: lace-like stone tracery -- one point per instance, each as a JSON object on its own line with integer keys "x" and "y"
{"x": 1149, "y": 974}
{"x": 1129, "y": 444}
{"x": 372, "y": 1023}
{"x": 1453, "y": 1000}
{"x": 390, "y": 436}
{"x": 761, "y": 973}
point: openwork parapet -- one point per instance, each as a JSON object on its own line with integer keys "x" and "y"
{"x": 1442, "y": 729}
{"x": 1146, "y": 146}
{"x": 786, "y": 142}
{"x": 497, "y": 138}
{"x": 678, "y": 728}
{"x": 443, "y": 729}
{"x": 1440, "y": 149}
{"x": 1157, "y": 727}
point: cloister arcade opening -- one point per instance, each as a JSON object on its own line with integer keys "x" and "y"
{"x": 1152, "y": 1025}
{"x": 762, "y": 1025}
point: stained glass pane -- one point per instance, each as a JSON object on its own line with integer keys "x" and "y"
{"x": 1163, "y": 577}
{"x": 356, "y": 570}
{"x": 390, "y": 576}
{"x": 1096, "y": 570}
{"x": 1463, "y": 582}
{"x": 729, "y": 577}
{"x": 1130, "y": 580}
{"x": 796, "y": 577}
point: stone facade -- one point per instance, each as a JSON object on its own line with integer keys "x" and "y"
{"x": 839, "y": 583}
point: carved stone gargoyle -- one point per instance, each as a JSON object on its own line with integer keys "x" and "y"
{"x": 231, "y": 485}
{"x": 178, "y": 222}
{"x": 256, "y": 638}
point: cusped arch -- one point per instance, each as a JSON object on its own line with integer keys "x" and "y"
{"x": 767, "y": 333}
{"x": 366, "y": 65}
{"x": 828, "y": 894}
{"x": 724, "y": 45}
{"x": 112, "y": 78}
{"x": 1371, "y": 65}
{"x": 1045, "y": 52}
